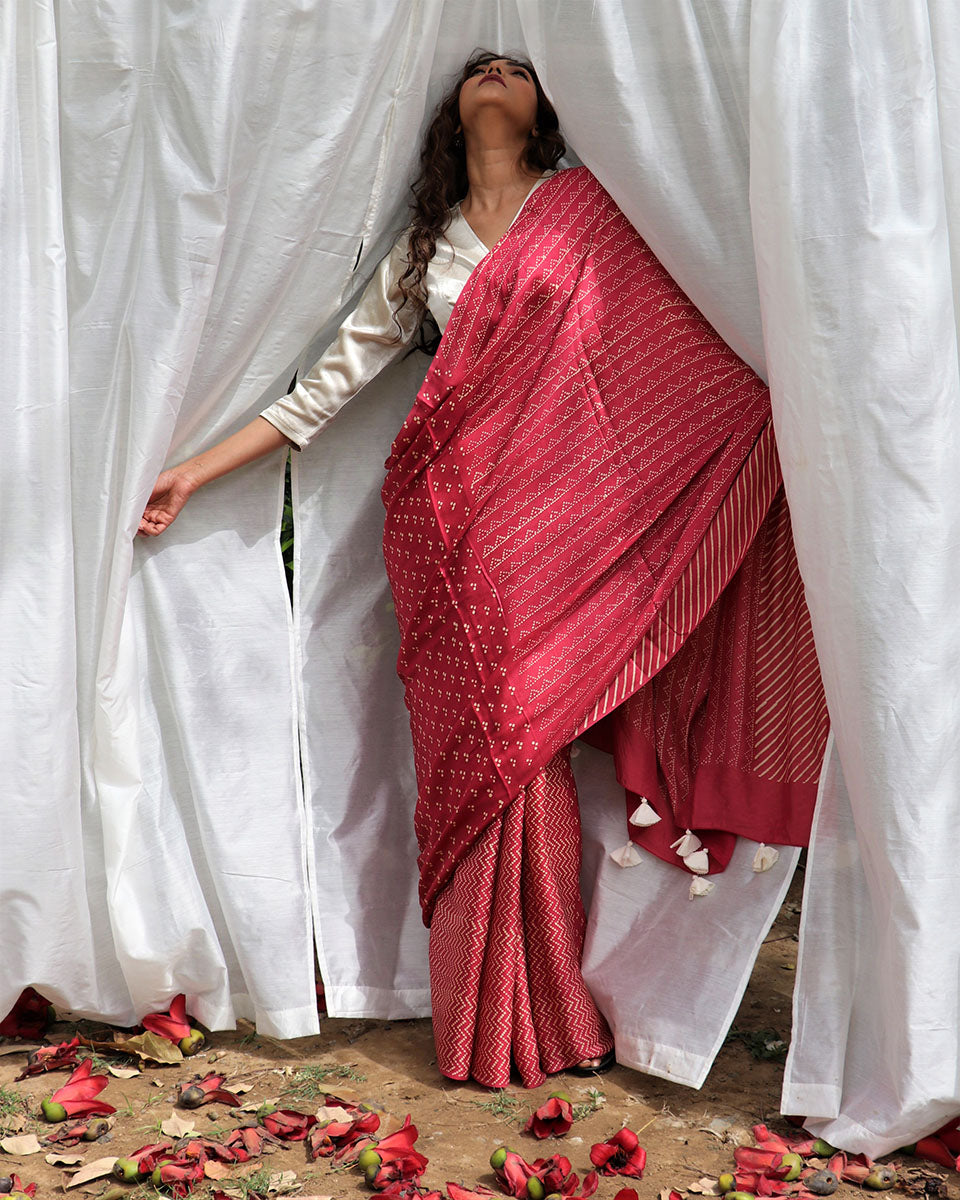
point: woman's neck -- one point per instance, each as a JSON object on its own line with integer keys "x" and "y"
{"x": 496, "y": 173}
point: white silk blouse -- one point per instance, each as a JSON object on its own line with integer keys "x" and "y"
{"x": 369, "y": 339}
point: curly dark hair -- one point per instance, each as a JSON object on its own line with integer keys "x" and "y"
{"x": 442, "y": 182}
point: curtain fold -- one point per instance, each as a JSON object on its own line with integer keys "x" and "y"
{"x": 855, "y": 244}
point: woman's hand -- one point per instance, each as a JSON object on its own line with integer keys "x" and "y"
{"x": 175, "y": 486}
{"x": 170, "y": 493}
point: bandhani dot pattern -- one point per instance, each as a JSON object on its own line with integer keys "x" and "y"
{"x": 586, "y": 534}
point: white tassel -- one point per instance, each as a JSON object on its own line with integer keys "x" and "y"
{"x": 700, "y": 887}
{"x": 626, "y": 856}
{"x": 644, "y": 814}
{"x": 698, "y": 862}
{"x": 687, "y": 844}
{"x": 765, "y": 857}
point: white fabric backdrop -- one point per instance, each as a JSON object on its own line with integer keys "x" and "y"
{"x": 190, "y": 197}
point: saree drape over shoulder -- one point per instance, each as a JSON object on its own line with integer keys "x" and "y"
{"x": 586, "y": 528}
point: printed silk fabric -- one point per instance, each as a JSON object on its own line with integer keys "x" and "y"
{"x": 585, "y": 468}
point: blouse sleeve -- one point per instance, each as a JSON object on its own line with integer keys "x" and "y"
{"x": 367, "y": 341}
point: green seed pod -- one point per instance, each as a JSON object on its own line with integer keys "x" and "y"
{"x": 727, "y": 1183}
{"x": 52, "y": 1111}
{"x": 190, "y": 1044}
{"x": 794, "y": 1165}
{"x": 823, "y": 1149}
{"x": 126, "y": 1169}
{"x": 498, "y": 1157}
{"x": 881, "y": 1180}
{"x": 367, "y": 1158}
{"x": 535, "y": 1189}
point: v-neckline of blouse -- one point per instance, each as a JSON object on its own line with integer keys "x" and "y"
{"x": 476, "y": 236}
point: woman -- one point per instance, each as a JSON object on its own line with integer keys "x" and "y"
{"x": 585, "y": 531}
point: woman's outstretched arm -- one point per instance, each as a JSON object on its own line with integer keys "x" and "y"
{"x": 176, "y": 485}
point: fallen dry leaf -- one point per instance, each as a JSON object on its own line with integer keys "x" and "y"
{"x": 17, "y": 1049}
{"x": 25, "y": 1144}
{"x": 215, "y": 1170}
{"x": 239, "y": 1088}
{"x": 63, "y": 1160}
{"x": 144, "y": 1045}
{"x": 122, "y": 1072}
{"x": 176, "y": 1126}
{"x": 151, "y": 1046}
{"x": 389, "y": 1123}
{"x": 14, "y": 1124}
{"x": 94, "y": 1170}
{"x": 705, "y": 1186}
{"x": 333, "y": 1113}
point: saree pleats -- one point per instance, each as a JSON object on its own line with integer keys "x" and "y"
{"x": 506, "y": 942}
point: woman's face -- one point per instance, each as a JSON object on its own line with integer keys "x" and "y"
{"x": 503, "y": 85}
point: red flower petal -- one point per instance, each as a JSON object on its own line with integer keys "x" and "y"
{"x": 77, "y": 1094}
{"x": 621, "y": 1154}
{"x": 205, "y": 1090}
{"x": 172, "y": 1025}
{"x": 288, "y": 1124}
{"x": 28, "y": 1018}
{"x": 52, "y": 1058}
{"x": 774, "y": 1187}
{"x": 340, "y": 1135}
{"x": 755, "y": 1158}
{"x": 938, "y": 1151}
{"x": 552, "y": 1119}
{"x": 402, "y": 1167}
{"x": 457, "y": 1192}
{"x": 401, "y": 1141}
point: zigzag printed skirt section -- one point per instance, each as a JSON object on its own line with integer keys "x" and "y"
{"x": 506, "y": 942}
{"x": 586, "y": 535}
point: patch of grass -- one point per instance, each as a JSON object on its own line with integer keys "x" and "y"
{"x": 594, "y": 1102}
{"x": 99, "y": 1063}
{"x": 502, "y": 1105}
{"x": 309, "y": 1083}
{"x": 12, "y": 1104}
{"x": 257, "y": 1183}
{"x": 766, "y": 1045}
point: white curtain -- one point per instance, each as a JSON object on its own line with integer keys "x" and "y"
{"x": 197, "y": 776}
{"x": 856, "y": 224}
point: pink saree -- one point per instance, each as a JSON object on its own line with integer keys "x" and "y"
{"x": 585, "y": 531}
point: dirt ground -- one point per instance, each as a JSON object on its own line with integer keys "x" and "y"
{"x": 687, "y": 1134}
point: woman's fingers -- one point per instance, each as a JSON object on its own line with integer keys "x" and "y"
{"x": 169, "y": 495}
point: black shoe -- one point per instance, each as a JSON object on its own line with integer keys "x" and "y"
{"x": 604, "y": 1064}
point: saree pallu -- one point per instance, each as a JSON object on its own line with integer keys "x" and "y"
{"x": 586, "y": 496}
